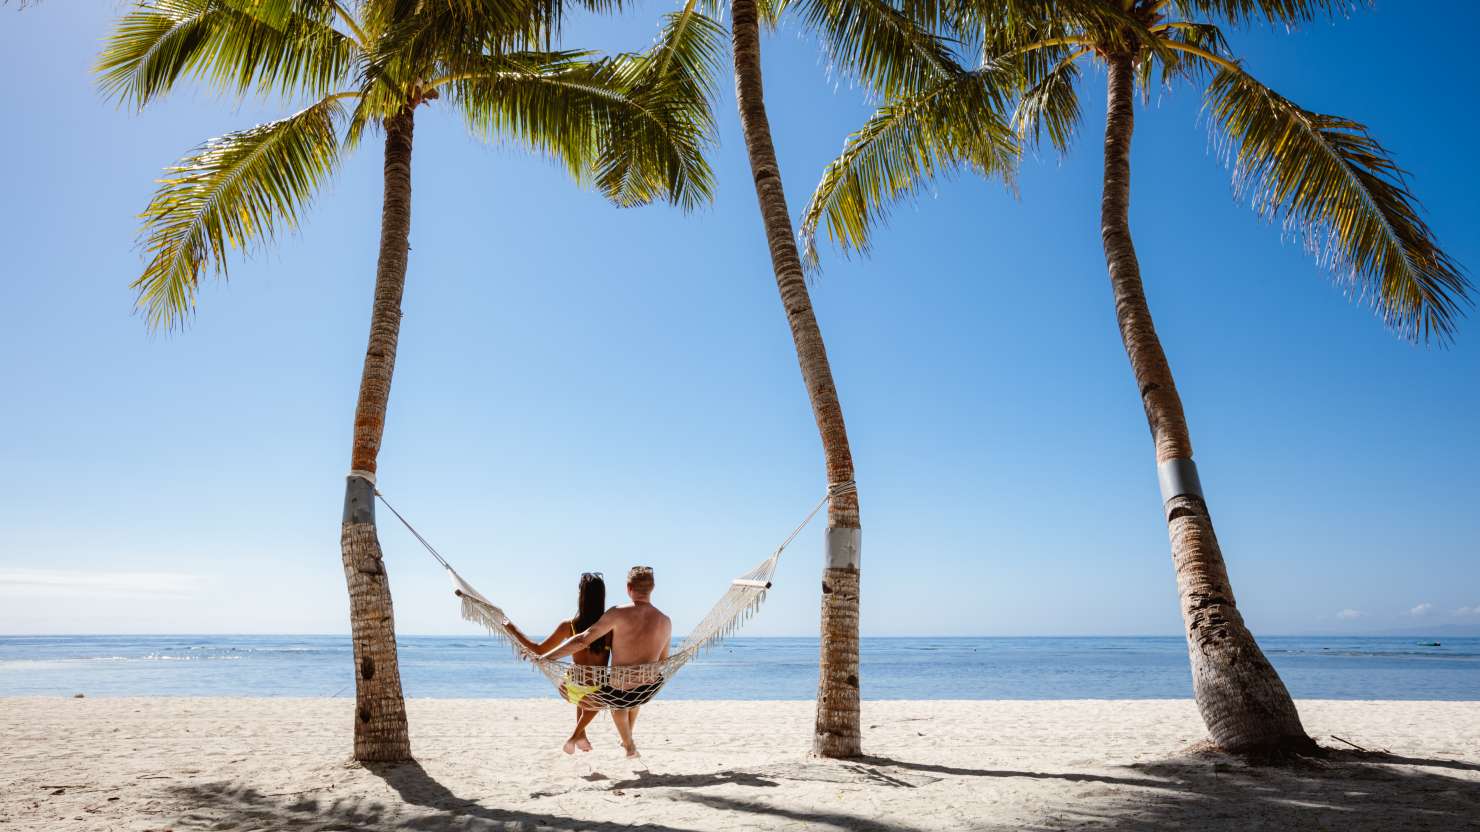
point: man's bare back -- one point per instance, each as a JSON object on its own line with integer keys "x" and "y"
{"x": 640, "y": 633}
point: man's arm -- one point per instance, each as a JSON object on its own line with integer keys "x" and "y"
{"x": 580, "y": 641}
{"x": 529, "y": 643}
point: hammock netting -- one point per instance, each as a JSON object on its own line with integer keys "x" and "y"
{"x": 597, "y": 687}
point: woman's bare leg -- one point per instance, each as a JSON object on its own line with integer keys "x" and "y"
{"x": 578, "y": 736}
{"x": 583, "y": 718}
{"x": 570, "y": 742}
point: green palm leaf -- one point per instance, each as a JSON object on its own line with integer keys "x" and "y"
{"x": 1288, "y": 12}
{"x": 540, "y": 99}
{"x": 1006, "y": 27}
{"x": 1201, "y": 37}
{"x": 233, "y": 190}
{"x": 654, "y": 148}
{"x": 879, "y": 43}
{"x": 635, "y": 124}
{"x": 286, "y": 46}
{"x": 1051, "y": 105}
{"x": 423, "y": 33}
{"x": 1336, "y": 186}
{"x": 903, "y": 146}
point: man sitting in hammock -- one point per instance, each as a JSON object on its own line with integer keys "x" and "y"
{"x": 640, "y": 635}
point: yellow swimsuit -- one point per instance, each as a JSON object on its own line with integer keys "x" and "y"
{"x": 573, "y": 691}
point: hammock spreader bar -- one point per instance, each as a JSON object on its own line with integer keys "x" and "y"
{"x": 596, "y": 687}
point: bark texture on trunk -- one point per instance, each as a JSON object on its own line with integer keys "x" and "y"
{"x": 837, "y": 728}
{"x": 1242, "y": 700}
{"x": 380, "y": 709}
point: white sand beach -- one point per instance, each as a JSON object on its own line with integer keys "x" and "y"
{"x": 244, "y": 764}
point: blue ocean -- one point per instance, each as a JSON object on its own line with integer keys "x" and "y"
{"x": 741, "y": 668}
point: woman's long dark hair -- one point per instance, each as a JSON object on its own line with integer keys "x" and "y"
{"x": 590, "y": 604}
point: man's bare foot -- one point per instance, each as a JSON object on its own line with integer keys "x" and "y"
{"x": 570, "y": 746}
{"x": 583, "y": 743}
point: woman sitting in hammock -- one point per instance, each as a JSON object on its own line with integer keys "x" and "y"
{"x": 590, "y": 604}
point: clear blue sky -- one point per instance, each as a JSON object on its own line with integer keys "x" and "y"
{"x": 580, "y": 387}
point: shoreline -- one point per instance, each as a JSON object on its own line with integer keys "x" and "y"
{"x": 194, "y": 763}
{"x": 743, "y": 668}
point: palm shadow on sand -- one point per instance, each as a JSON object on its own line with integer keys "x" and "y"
{"x": 427, "y": 806}
{"x": 1350, "y": 791}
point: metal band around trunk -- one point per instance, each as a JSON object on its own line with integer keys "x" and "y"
{"x": 843, "y": 548}
{"x": 1178, "y": 478}
{"x": 359, "y": 499}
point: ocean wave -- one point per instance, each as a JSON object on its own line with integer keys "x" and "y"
{"x": 75, "y": 661}
{"x": 1430, "y": 653}
{"x": 234, "y": 649}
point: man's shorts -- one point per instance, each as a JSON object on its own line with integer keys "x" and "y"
{"x": 619, "y": 699}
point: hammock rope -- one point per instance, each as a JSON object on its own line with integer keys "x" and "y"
{"x": 599, "y": 687}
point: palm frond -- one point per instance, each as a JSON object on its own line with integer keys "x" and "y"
{"x": 654, "y": 148}
{"x": 879, "y": 44}
{"x": 907, "y": 143}
{"x": 1007, "y": 26}
{"x": 1175, "y": 64}
{"x": 496, "y": 15}
{"x": 287, "y": 46}
{"x": 423, "y": 33}
{"x": 1336, "y": 186}
{"x": 1286, "y": 12}
{"x": 1051, "y": 105}
{"x": 230, "y": 192}
{"x": 637, "y": 132}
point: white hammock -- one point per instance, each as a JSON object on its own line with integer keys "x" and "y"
{"x": 597, "y": 687}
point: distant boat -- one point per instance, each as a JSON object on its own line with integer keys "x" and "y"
{"x": 1429, "y": 644}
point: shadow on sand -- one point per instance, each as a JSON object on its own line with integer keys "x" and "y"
{"x": 426, "y": 806}
{"x": 1348, "y": 791}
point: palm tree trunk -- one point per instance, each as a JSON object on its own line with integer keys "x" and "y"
{"x": 1242, "y": 700}
{"x": 380, "y": 710}
{"x": 837, "y": 729}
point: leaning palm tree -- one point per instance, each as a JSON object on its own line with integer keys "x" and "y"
{"x": 630, "y": 124}
{"x": 876, "y": 43}
{"x": 836, "y": 732}
{"x": 1324, "y": 176}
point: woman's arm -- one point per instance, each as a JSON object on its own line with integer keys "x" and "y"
{"x": 582, "y": 641}
{"x": 542, "y": 647}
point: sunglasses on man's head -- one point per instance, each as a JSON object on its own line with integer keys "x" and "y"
{"x": 585, "y": 575}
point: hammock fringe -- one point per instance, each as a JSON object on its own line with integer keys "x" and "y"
{"x": 492, "y": 619}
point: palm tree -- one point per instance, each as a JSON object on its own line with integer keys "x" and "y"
{"x": 633, "y": 127}
{"x": 1325, "y": 176}
{"x": 887, "y": 51}
{"x": 836, "y": 732}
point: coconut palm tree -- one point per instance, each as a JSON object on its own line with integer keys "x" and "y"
{"x": 630, "y": 125}
{"x": 873, "y": 41}
{"x": 836, "y": 732}
{"x": 1325, "y": 176}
